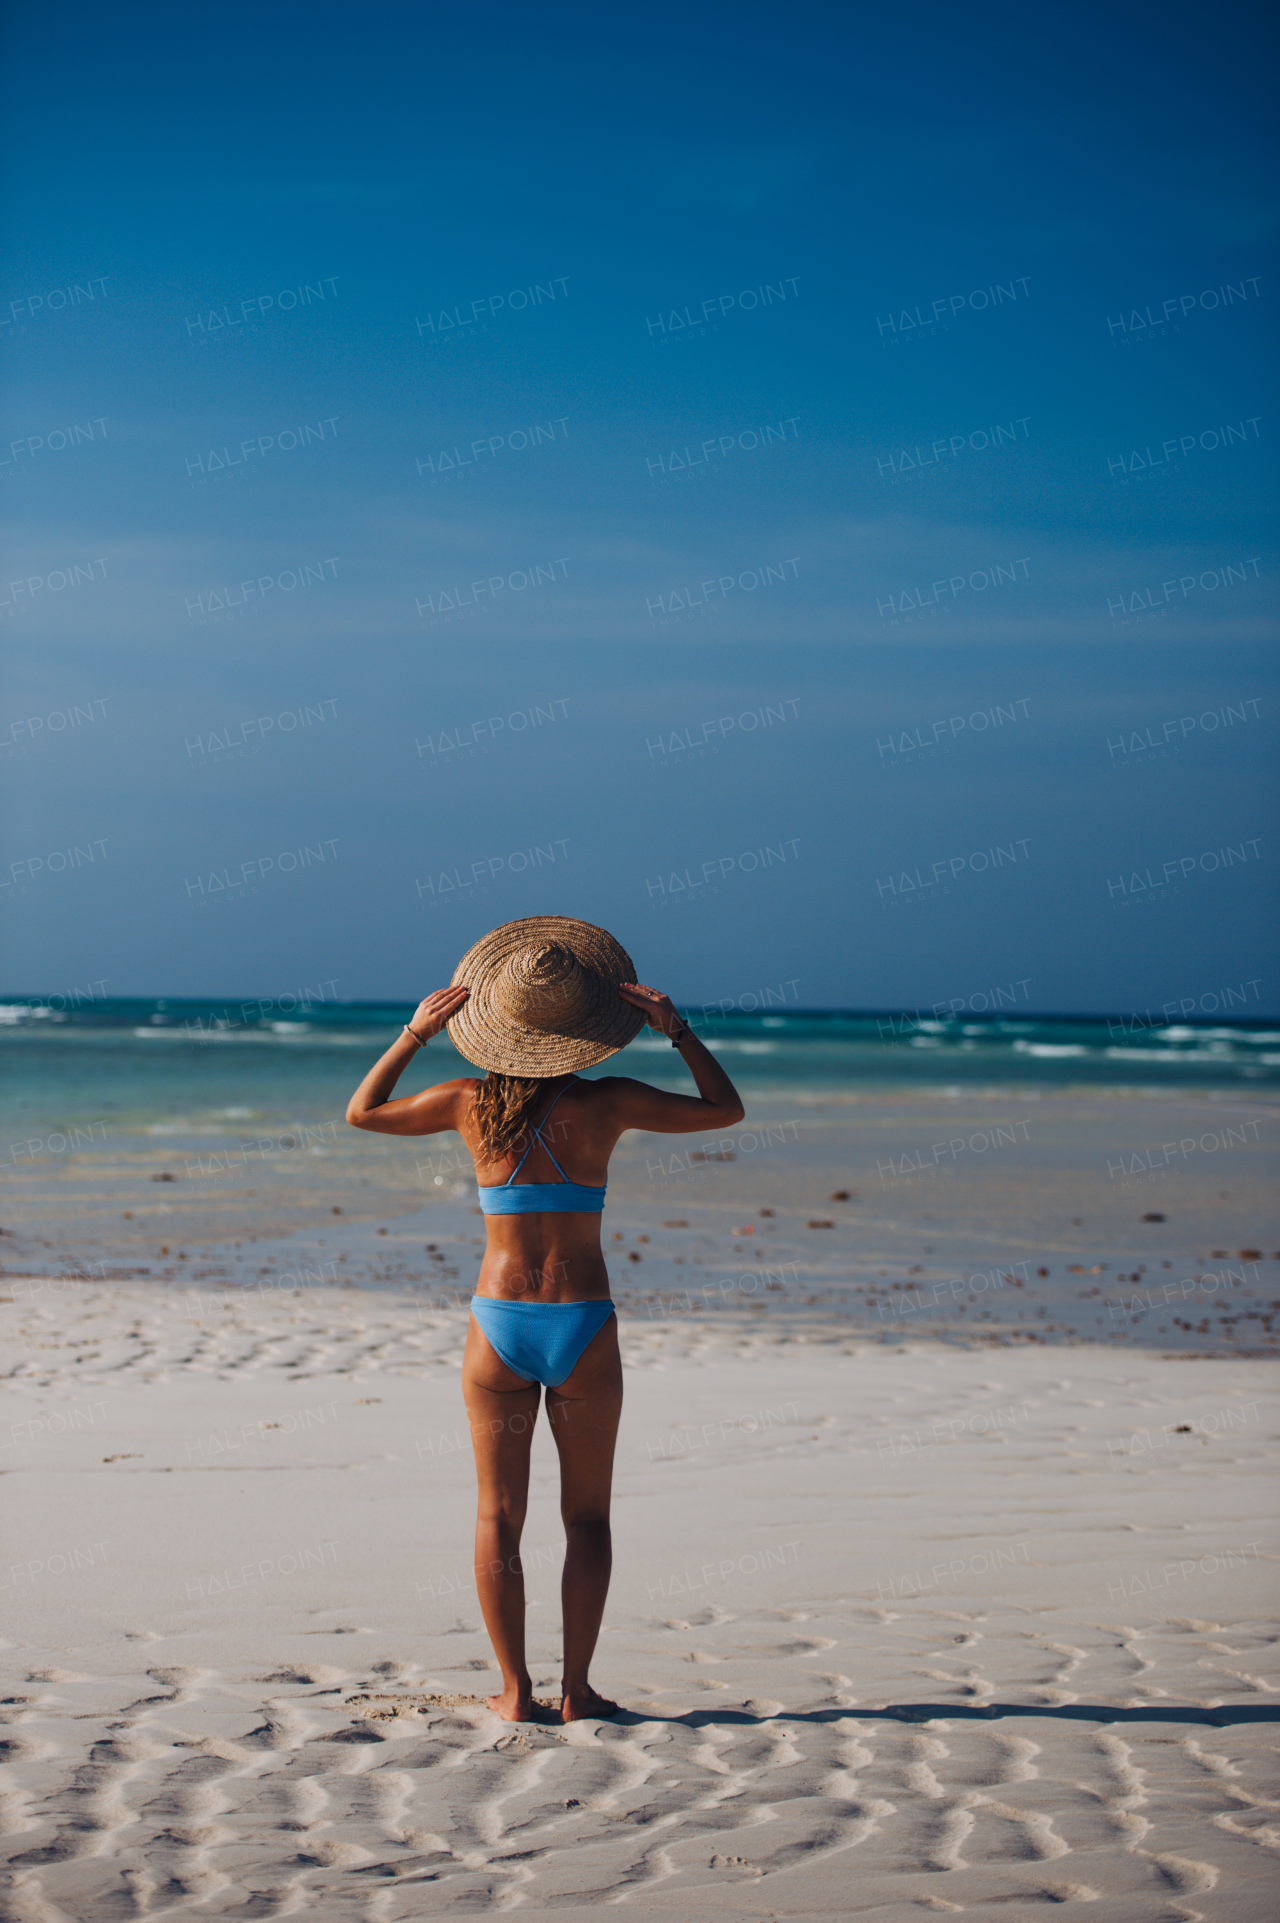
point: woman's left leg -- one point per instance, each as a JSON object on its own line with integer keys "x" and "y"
{"x": 501, "y": 1409}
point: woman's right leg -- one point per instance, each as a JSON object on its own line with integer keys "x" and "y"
{"x": 501, "y": 1409}
{"x": 584, "y": 1413}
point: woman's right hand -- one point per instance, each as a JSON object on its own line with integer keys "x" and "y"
{"x": 432, "y": 1014}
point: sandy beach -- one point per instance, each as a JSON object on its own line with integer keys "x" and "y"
{"x": 501, "y": 587}
{"x": 929, "y": 1592}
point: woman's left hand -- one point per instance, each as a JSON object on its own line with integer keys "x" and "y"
{"x": 432, "y": 1014}
{"x": 659, "y": 1009}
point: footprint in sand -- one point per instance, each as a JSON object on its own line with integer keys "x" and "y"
{"x": 314, "y": 1673}
{"x": 798, "y": 1646}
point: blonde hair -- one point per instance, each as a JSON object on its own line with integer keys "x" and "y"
{"x": 503, "y": 1107}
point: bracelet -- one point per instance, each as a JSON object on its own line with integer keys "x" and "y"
{"x": 417, "y": 1038}
{"x": 677, "y": 1039}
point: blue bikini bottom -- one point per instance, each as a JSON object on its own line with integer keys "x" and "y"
{"x": 541, "y": 1341}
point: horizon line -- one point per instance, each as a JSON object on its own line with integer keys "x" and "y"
{"x": 75, "y": 1002}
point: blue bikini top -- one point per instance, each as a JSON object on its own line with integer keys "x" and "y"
{"x": 541, "y": 1198}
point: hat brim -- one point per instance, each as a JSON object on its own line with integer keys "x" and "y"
{"x": 489, "y": 1037}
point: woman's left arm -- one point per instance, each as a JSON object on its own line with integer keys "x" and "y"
{"x": 434, "y": 1109}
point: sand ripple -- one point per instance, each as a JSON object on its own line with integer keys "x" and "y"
{"x": 220, "y": 1796}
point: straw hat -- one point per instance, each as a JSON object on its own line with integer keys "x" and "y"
{"x": 544, "y": 998}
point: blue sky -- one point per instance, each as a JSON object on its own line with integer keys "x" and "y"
{"x": 851, "y": 452}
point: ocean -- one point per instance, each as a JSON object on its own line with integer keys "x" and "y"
{"x": 210, "y": 1067}
{"x": 204, "y": 1142}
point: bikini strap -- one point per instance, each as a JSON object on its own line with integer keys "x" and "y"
{"x": 538, "y": 1128}
{"x": 536, "y": 1132}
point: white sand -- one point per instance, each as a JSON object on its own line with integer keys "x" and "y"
{"x": 895, "y": 1628}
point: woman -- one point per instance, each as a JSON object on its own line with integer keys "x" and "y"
{"x": 532, "y": 1004}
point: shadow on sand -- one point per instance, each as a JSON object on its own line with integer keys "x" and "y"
{"x": 1220, "y": 1717}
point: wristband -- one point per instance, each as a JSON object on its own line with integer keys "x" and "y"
{"x": 677, "y": 1039}
{"x": 417, "y": 1038}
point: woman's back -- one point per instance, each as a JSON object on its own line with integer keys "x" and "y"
{"x": 543, "y": 1198}
{"x": 567, "y": 1136}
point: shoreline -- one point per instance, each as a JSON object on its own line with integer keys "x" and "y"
{"x": 978, "y": 1217}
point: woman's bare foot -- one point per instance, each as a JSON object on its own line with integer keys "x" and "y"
{"x": 585, "y": 1701}
{"x": 514, "y": 1705}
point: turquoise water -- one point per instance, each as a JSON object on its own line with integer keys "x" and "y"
{"x": 140, "y": 1062}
